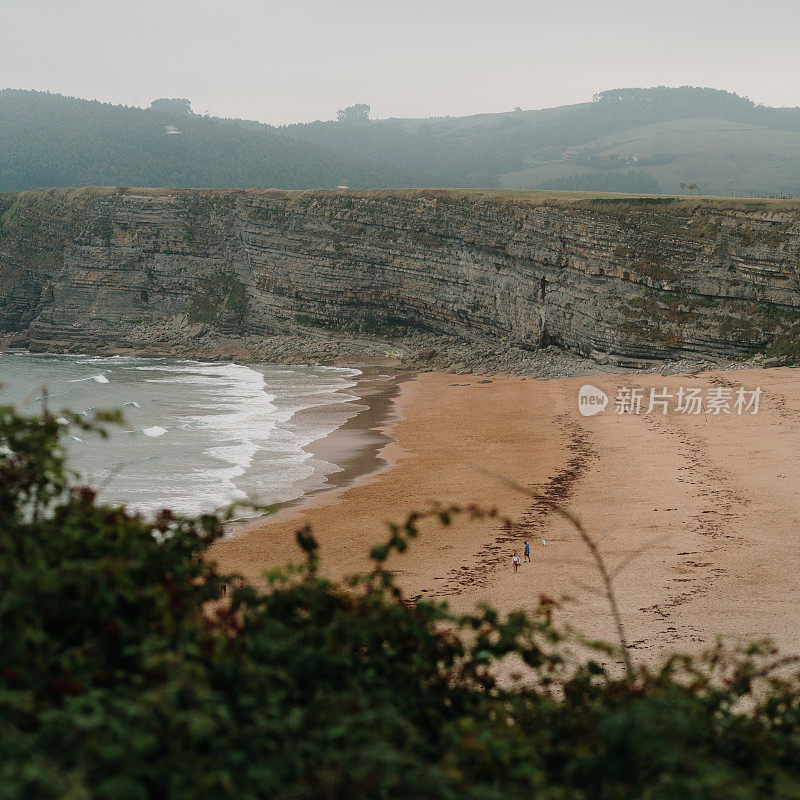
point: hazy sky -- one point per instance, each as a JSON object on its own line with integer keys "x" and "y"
{"x": 297, "y": 61}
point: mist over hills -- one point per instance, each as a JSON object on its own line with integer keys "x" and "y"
{"x": 658, "y": 140}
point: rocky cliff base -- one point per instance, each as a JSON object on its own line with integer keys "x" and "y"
{"x": 418, "y": 352}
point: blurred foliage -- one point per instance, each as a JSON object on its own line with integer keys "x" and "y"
{"x": 126, "y": 673}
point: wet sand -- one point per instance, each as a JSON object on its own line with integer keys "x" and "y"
{"x": 356, "y": 446}
{"x": 706, "y": 506}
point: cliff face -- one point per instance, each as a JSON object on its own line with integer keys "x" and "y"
{"x": 619, "y": 279}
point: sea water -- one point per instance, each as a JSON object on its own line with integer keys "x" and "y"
{"x": 197, "y": 436}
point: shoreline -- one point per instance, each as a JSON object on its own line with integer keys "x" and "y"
{"x": 355, "y": 448}
{"x": 346, "y": 453}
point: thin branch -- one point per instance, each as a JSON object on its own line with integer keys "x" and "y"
{"x": 593, "y": 549}
{"x": 587, "y": 588}
{"x": 784, "y": 661}
{"x": 636, "y": 553}
{"x": 573, "y": 562}
{"x": 112, "y": 475}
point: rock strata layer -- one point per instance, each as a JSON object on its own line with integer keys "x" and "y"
{"x": 405, "y": 274}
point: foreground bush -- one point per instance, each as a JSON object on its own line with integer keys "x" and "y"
{"x": 122, "y": 675}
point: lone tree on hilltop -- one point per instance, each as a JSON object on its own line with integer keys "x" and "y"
{"x": 172, "y": 105}
{"x": 355, "y": 113}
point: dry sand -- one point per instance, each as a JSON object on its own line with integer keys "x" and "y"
{"x": 713, "y": 500}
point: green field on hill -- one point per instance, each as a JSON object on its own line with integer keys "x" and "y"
{"x": 714, "y": 154}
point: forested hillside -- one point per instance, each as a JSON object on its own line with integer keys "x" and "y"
{"x": 661, "y": 140}
{"x": 48, "y": 140}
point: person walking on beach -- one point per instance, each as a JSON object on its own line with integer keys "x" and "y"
{"x": 515, "y": 561}
{"x": 526, "y": 551}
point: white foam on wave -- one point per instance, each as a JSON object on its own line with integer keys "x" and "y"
{"x": 287, "y": 468}
{"x": 227, "y": 413}
{"x": 178, "y": 366}
{"x": 254, "y": 448}
{"x": 99, "y": 378}
{"x": 155, "y": 430}
{"x": 240, "y": 422}
{"x": 206, "y": 433}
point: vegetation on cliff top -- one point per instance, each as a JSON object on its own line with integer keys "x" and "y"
{"x": 123, "y": 674}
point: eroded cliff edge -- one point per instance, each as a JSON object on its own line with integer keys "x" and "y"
{"x": 626, "y": 281}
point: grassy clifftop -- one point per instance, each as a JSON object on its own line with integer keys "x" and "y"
{"x": 520, "y": 196}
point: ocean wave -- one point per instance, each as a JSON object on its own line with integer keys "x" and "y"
{"x": 206, "y": 433}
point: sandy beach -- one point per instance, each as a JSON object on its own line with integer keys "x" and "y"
{"x": 705, "y": 507}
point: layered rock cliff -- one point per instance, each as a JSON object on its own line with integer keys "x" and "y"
{"x": 622, "y": 280}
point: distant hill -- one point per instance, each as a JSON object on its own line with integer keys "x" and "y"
{"x": 626, "y": 140}
{"x": 659, "y": 140}
{"x": 48, "y": 140}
